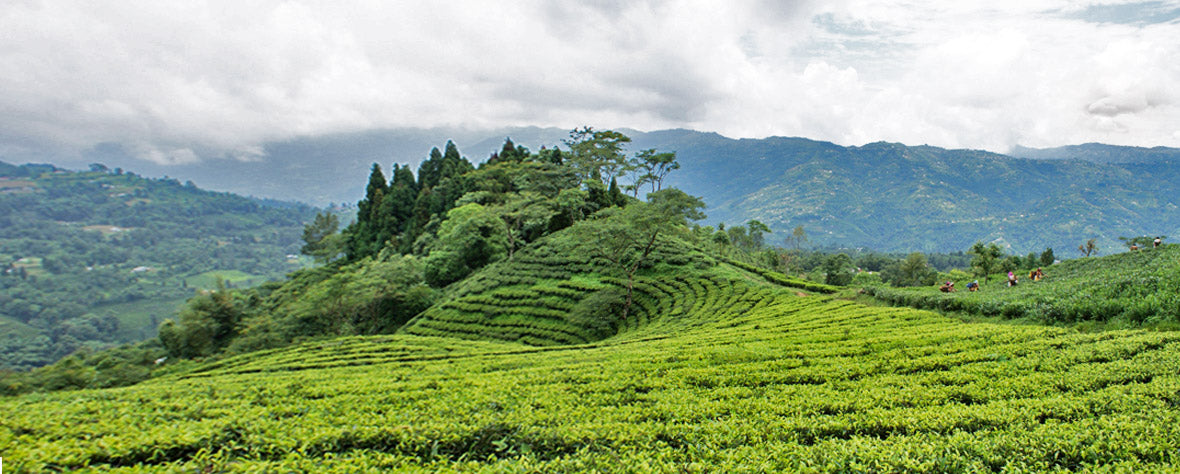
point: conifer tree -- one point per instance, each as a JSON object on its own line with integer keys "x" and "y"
{"x": 369, "y": 218}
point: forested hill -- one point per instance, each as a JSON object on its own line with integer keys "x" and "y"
{"x": 893, "y": 197}
{"x": 89, "y": 259}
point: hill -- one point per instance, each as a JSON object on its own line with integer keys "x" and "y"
{"x": 546, "y": 323}
{"x": 1101, "y": 153}
{"x": 884, "y": 196}
{"x": 893, "y": 197}
{"x": 734, "y": 374}
{"x": 1127, "y": 289}
{"x": 95, "y": 258}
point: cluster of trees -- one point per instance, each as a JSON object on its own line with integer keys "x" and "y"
{"x": 70, "y": 247}
{"x": 990, "y": 258}
{"x": 416, "y": 233}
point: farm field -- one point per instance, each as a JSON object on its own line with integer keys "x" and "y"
{"x": 723, "y": 374}
{"x": 1130, "y": 288}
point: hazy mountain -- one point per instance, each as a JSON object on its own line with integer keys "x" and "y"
{"x": 881, "y": 195}
{"x": 1100, "y": 153}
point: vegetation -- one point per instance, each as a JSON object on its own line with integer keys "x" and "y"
{"x": 733, "y": 375}
{"x": 418, "y": 240}
{"x": 897, "y": 198}
{"x": 98, "y": 258}
{"x": 1126, "y": 289}
{"x": 544, "y": 321}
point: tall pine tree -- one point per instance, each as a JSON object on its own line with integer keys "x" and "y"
{"x": 364, "y": 235}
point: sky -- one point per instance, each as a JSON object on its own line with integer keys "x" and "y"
{"x": 180, "y": 82}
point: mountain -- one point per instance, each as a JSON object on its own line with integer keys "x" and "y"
{"x": 889, "y": 196}
{"x": 884, "y": 196}
{"x": 96, "y": 258}
{"x": 1100, "y": 153}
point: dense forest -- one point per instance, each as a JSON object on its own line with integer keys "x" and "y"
{"x": 90, "y": 259}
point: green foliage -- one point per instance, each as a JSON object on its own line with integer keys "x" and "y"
{"x": 599, "y": 312}
{"x": 652, "y": 168}
{"x": 206, "y": 325}
{"x": 468, "y": 239}
{"x": 1132, "y": 289}
{"x": 372, "y": 296}
{"x": 987, "y": 258}
{"x": 597, "y": 155}
{"x": 116, "y": 367}
{"x": 1141, "y": 242}
{"x": 898, "y": 198}
{"x": 914, "y": 271}
{"x": 838, "y": 270}
{"x": 1047, "y": 257}
{"x": 79, "y": 250}
{"x": 320, "y": 239}
{"x": 754, "y": 380}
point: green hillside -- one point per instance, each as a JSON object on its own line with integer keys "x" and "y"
{"x": 527, "y": 316}
{"x": 884, "y": 196}
{"x": 892, "y": 197}
{"x": 98, "y": 258}
{"x": 734, "y": 374}
{"x": 1127, "y": 289}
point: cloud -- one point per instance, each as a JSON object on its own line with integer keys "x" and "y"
{"x": 178, "y": 82}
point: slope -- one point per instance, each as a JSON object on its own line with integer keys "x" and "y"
{"x": 893, "y": 197}
{"x": 560, "y": 291}
{"x": 763, "y": 380}
{"x": 95, "y": 258}
{"x": 1132, "y": 288}
{"x": 885, "y": 196}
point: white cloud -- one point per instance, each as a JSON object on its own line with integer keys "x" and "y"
{"x": 181, "y": 81}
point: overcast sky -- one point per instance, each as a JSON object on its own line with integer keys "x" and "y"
{"x": 177, "y": 81}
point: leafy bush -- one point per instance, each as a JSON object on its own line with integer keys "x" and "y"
{"x": 600, "y": 312}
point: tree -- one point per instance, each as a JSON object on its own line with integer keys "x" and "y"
{"x": 756, "y": 229}
{"x": 468, "y": 239}
{"x": 597, "y": 155}
{"x": 525, "y": 216}
{"x": 986, "y": 260}
{"x": 206, "y": 324}
{"x": 653, "y": 167}
{"x": 320, "y": 239}
{"x": 627, "y": 236}
{"x": 838, "y": 269}
{"x": 1047, "y": 257}
{"x": 1089, "y": 248}
{"x": 914, "y": 270}
{"x": 364, "y": 235}
{"x": 797, "y": 238}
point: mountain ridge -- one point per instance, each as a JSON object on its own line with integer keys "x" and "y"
{"x": 881, "y": 195}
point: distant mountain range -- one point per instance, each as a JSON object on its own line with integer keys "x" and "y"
{"x": 885, "y": 196}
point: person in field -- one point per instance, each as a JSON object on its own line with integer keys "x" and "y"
{"x": 1156, "y": 243}
{"x": 973, "y": 286}
{"x": 948, "y": 287}
{"x": 1012, "y": 281}
{"x": 1036, "y": 275}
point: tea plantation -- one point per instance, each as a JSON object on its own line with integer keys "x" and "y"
{"x": 1130, "y": 288}
{"x": 718, "y": 369}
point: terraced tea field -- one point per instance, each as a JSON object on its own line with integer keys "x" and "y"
{"x": 1130, "y": 288}
{"x": 717, "y": 373}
